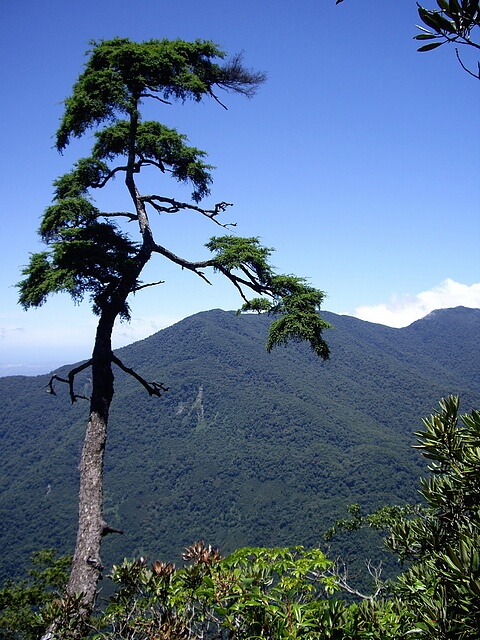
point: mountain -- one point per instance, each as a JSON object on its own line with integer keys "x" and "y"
{"x": 246, "y": 448}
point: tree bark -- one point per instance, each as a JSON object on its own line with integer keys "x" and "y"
{"x": 87, "y": 565}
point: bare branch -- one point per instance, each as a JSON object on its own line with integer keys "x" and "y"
{"x": 70, "y": 380}
{"x": 239, "y": 79}
{"x": 153, "y": 388}
{"x": 150, "y": 284}
{"x": 218, "y": 100}
{"x": 174, "y": 206}
{"x": 341, "y": 576}
{"x": 121, "y": 214}
{"x": 151, "y": 95}
{"x": 476, "y": 76}
{"x": 185, "y": 264}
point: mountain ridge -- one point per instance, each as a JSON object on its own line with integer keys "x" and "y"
{"x": 246, "y": 448}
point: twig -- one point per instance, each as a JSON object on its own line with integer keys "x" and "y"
{"x": 374, "y": 571}
{"x": 218, "y": 100}
{"x": 477, "y": 77}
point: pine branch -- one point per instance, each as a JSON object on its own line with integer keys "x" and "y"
{"x": 153, "y": 388}
{"x": 174, "y": 206}
{"x": 185, "y": 264}
{"x": 151, "y": 95}
{"x": 238, "y": 282}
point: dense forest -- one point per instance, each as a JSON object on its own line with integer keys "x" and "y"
{"x": 277, "y": 576}
{"x": 246, "y": 448}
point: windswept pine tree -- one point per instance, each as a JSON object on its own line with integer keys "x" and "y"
{"x": 88, "y": 253}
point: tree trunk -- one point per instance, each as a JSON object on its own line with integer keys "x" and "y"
{"x": 87, "y": 565}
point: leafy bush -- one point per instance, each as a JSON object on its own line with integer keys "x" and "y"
{"x": 23, "y": 603}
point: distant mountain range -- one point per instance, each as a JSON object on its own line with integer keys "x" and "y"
{"x": 246, "y": 448}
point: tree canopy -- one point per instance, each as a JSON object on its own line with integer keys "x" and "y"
{"x": 89, "y": 253}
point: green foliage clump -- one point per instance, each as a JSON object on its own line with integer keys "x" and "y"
{"x": 290, "y": 297}
{"x": 271, "y": 593}
{"x": 85, "y": 256}
{"x": 254, "y": 593}
{"x": 443, "y": 542}
{"x": 158, "y": 145}
{"x": 23, "y": 603}
{"x": 453, "y": 21}
{"x": 120, "y": 69}
{"x": 439, "y": 539}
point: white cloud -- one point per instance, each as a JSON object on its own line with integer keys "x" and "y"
{"x": 403, "y": 310}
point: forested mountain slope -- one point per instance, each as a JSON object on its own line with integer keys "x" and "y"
{"x": 246, "y": 448}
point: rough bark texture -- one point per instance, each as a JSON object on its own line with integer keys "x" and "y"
{"x": 87, "y": 564}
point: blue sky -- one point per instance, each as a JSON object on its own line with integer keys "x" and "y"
{"x": 358, "y": 160}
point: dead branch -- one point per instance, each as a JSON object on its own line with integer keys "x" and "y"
{"x": 70, "y": 380}
{"x": 149, "y": 284}
{"x": 153, "y": 388}
{"x": 342, "y": 578}
{"x": 174, "y": 206}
